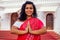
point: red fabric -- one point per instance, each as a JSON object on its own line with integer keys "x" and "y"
{"x": 35, "y": 24}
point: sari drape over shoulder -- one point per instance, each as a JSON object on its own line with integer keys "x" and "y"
{"x": 35, "y": 24}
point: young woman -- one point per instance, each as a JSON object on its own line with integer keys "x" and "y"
{"x": 28, "y": 26}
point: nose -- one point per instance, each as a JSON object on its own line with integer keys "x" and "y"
{"x": 29, "y": 9}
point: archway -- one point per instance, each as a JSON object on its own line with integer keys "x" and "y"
{"x": 14, "y": 17}
{"x": 49, "y": 21}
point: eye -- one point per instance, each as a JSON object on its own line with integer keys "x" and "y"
{"x": 26, "y": 8}
{"x": 31, "y": 8}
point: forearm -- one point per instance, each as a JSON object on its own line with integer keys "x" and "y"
{"x": 16, "y": 31}
{"x": 40, "y": 31}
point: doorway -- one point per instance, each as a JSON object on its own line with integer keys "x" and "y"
{"x": 14, "y": 17}
{"x": 49, "y": 21}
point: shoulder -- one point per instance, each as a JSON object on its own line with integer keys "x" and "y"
{"x": 19, "y": 20}
{"x": 18, "y": 23}
{"x": 36, "y": 18}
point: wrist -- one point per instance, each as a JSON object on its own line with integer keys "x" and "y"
{"x": 30, "y": 30}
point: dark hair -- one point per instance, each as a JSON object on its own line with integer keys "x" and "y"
{"x": 23, "y": 15}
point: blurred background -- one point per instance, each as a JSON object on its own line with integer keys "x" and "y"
{"x": 48, "y": 11}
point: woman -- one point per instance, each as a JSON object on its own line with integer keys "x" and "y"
{"x": 28, "y": 26}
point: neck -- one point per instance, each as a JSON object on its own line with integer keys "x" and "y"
{"x": 29, "y": 17}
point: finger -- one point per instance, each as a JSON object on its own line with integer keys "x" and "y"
{"x": 28, "y": 23}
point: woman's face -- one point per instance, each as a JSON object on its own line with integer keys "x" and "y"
{"x": 29, "y": 9}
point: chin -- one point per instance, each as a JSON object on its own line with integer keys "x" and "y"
{"x": 29, "y": 14}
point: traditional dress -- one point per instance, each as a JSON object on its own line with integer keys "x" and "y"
{"x": 35, "y": 24}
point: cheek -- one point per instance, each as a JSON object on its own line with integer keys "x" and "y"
{"x": 29, "y": 11}
{"x": 32, "y": 11}
{"x": 26, "y": 10}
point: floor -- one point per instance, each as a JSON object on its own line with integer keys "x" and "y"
{"x": 51, "y": 35}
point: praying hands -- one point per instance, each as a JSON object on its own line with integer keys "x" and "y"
{"x": 40, "y": 31}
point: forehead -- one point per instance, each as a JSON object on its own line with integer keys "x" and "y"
{"x": 29, "y": 5}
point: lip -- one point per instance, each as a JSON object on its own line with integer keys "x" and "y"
{"x": 29, "y": 13}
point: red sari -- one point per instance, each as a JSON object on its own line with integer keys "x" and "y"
{"x": 35, "y": 24}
